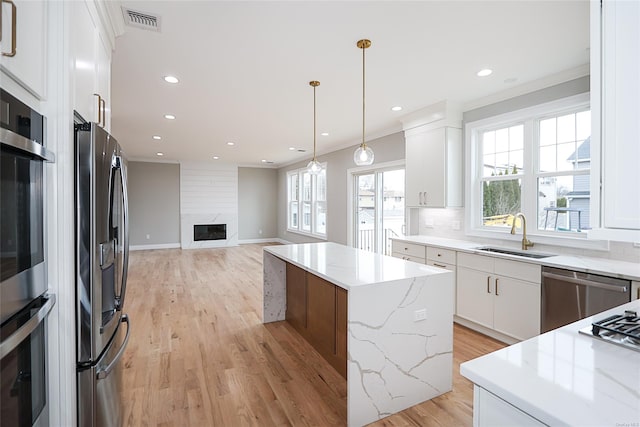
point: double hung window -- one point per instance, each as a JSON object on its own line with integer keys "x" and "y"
{"x": 536, "y": 161}
{"x": 307, "y": 202}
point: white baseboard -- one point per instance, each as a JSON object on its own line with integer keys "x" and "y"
{"x": 158, "y": 246}
{"x": 271, "y": 240}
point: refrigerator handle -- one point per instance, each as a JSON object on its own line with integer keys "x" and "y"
{"x": 125, "y": 241}
{"x": 104, "y": 373}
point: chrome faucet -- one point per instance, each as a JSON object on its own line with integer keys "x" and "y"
{"x": 526, "y": 243}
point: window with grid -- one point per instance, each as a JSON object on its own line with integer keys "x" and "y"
{"x": 307, "y": 202}
{"x": 536, "y": 161}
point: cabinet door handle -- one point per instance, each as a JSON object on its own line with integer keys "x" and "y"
{"x": 497, "y": 294}
{"x": 488, "y": 284}
{"x": 99, "y": 107}
{"x": 13, "y": 28}
{"x": 104, "y": 111}
{"x": 439, "y": 265}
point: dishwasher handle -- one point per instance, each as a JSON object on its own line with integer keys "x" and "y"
{"x": 584, "y": 282}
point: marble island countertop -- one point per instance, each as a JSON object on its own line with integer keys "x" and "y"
{"x": 563, "y": 377}
{"x": 349, "y": 267}
{"x": 399, "y": 321}
{"x": 603, "y": 266}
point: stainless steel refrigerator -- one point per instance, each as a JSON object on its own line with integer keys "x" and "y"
{"x": 102, "y": 255}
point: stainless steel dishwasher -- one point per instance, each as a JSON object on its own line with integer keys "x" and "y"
{"x": 568, "y": 296}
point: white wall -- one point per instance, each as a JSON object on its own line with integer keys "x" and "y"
{"x": 208, "y": 195}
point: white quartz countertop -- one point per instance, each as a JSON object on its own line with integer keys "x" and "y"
{"x": 350, "y": 267}
{"x": 603, "y": 266}
{"x": 566, "y": 378}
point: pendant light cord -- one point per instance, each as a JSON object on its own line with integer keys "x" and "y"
{"x": 314, "y": 123}
{"x": 363, "y": 92}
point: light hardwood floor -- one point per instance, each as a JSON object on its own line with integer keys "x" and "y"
{"x": 199, "y": 354}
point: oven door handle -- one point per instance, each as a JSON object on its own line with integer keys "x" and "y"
{"x": 104, "y": 373}
{"x": 8, "y": 345}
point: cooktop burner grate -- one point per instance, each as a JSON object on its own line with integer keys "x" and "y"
{"x": 627, "y": 324}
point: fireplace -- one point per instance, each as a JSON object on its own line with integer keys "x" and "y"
{"x": 209, "y": 232}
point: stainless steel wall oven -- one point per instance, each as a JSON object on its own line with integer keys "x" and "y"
{"x": 24, "y": 304}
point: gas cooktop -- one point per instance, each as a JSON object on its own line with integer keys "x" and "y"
{"x": 620, "y": 329}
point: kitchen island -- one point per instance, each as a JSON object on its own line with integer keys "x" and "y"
{"x": 399, "y": 322}
{"x": 560, "y": 378}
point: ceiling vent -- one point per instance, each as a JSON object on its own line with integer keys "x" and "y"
{"x": 143, "y": 20}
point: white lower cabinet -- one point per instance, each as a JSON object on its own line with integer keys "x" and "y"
{"x": 499, "y": 294}
{"x": 444, "y": 258}
{"x": 490, "y": 410}
{"x": 408, "y": 251}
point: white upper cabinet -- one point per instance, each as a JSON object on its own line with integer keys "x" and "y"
{"x": 83, "y": 48}
{"x": 24, "y": 45}
{"x": 433, "y": 158}
{"x": 91, "y": 49}
{"x": 615, "y": 87}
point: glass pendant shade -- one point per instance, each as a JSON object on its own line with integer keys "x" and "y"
{"x": 363, "y": 156}
{"x": 314, "y": 167}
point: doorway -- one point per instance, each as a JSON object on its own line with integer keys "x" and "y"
{"x": 378, "y": 208}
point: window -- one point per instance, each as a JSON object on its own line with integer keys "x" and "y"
{"x": 307, "y": 202}
{"x": 535, "y": 161}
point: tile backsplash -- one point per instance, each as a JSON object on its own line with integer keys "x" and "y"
{"x": 449, "y": 223}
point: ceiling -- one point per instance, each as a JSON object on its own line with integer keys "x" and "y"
{"x": 244, "y": 70}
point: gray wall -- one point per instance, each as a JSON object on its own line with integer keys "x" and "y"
{"x": 257, "y": 203}
{"x": 386, "y": 149}
{"x": 154, "y": 202}
{"x": 547, "y": 94}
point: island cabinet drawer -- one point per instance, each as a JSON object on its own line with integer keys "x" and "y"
{"x": 410, "y": 249}
{"x": 409, "y": 258}
{"x": 446, "y": 256}
{"x": 476, "y": 262}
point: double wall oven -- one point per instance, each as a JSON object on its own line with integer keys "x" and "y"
{"x": 24, "y": 301}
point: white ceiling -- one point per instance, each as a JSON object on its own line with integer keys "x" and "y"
{"x": 245, "y": 67}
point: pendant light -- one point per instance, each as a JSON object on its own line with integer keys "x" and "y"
{"x": 363, "y": 155}
{"x": 314, "y": 166}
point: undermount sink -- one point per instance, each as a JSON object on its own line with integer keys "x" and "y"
{"x": 514, "y": 252}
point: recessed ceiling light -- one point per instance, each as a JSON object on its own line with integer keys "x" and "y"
{"x": 159, "y": 154}
{"x": 396, "y": 108}
{"x": 215, "y": 157}
{"x": 292, "y": 148}
{"x": 324, "y": 134}
{"x": 231, "y": 143}
{"x": 171, "y": 79}
{"x": 263, "y": 161}
{"x": 157, "y": 137}
{"x": 484, "y": 72}
{"x": 169, "y": 116}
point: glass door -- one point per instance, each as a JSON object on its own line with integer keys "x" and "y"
{"x": 365, "y": 212}
{"x": 378, "y": 209}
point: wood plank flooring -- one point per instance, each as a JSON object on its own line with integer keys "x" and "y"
{"x": 200, "y": 356}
